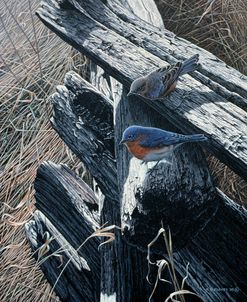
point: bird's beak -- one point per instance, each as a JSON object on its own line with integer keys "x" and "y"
{"x": 129, "y": 94}
{"x": 122, "y": 142}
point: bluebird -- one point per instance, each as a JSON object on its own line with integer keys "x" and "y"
{"x": 159, "y": 83}
{"x": 154, "y": 144}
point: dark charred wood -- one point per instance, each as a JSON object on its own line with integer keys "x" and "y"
{"x": 90, "y": 138}
{"x": 93, "y": 108}
{"x": 120, "y": 261}
{"x": 190, "y": 214}
{"x": 72, "y": 283}
{"x": 151, "y": 200}
{"x": 133, "y": 286}
{"x": 110, "y": 214}
{"x": 217, "y": 256}
{"x": 181, "y": 194}
{"x": 72, "y": 207}
{"x": 193, "y": 107}
{"x": 178, "y": 195}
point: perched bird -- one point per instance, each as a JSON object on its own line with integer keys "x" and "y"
{"x": 154, "y": 144}
{"x": 159, "y": 83}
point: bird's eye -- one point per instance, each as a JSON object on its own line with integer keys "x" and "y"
{"x": 130, "y": 136}
{"x": 141, "y": 88}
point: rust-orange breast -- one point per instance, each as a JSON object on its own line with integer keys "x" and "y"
{"x": 137, "y": 150}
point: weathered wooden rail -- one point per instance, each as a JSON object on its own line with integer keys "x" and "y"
{"x": 208, "y": 229}
{"x": 116, "y": 54}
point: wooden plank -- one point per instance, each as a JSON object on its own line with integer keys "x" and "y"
{"x": 54, "y": 255}
{"x": 170, "y": 48}
{"x": 72, "y": 207}
{"x": 168, "y": 45}
{"x": 222, "y": 277}
{"x": 193, "y": 107}
{"x": 146, "y": 10}
{"x": 87, "y": 137}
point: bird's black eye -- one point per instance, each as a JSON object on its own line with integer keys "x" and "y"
{"x": 141, "y": 88}
{"x": 130, "y": 136}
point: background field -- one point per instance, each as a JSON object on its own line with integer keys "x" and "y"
{"x": 32, "y": 62}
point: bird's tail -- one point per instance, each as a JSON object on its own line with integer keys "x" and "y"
{"x": 194, "y": 138}
{"x": 189, "y": 65}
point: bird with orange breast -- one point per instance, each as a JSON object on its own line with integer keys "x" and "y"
{"x": 159, "y": 83}
{"x": 154, "y": 144}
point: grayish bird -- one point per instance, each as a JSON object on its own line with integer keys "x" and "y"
{"x": 159, "y": 83}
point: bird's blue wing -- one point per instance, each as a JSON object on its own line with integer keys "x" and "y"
{"x": 161, "y": 138}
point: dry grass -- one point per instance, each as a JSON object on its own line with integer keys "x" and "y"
{"x": 220, "y": 27}
{"x": 228, "y": 181}
{"x": 32, "y": 62}
{"x": 216, "y": 25}
{"x": 168, "y": 264}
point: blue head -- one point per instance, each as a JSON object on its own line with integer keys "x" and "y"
{"x": 132, "y": 133}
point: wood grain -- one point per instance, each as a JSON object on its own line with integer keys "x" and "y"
{"x": 193, "y": 107}
{"x": 182, "y": 195}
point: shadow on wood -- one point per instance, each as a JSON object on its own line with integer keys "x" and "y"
{"x": 190, "y": 214}
{"x": 201, "y": 110}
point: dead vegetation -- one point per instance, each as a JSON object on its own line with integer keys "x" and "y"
{"x": 216, "y": 25}
{"x": 32, "y": 62}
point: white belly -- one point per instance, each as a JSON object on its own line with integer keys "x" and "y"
{"x": 159, "y": 154}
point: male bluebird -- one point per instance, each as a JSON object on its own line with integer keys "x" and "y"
{"x": 154, "y": 144}
{"x": 159, "y": 83}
